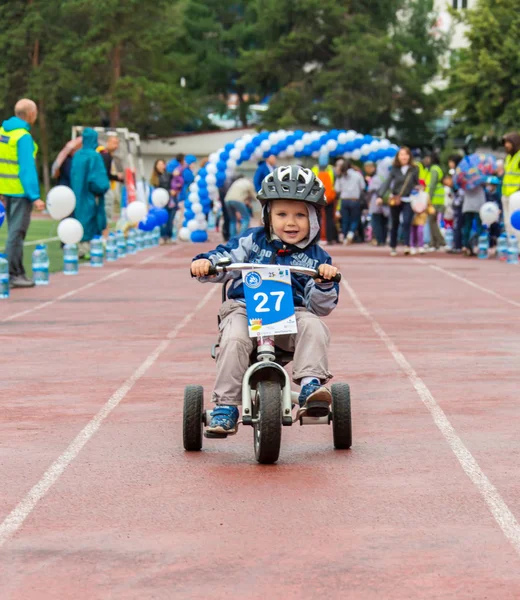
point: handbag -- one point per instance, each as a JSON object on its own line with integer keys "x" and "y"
{"x": 395, "y": 200}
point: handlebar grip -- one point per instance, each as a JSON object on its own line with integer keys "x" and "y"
{"x": 335, "y": 279}
{"x": 212, "y": 271}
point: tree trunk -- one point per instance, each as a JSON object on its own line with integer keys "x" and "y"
{"x": 44, "y": 138}
{"x": 116, "y": 74}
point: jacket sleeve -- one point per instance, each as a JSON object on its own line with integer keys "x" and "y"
{"x": 237, "y": 250}
{"x": 321, "y": 298}
{"x": 28, "y": 173}
{"x": 98, "y": 182}
{"x": 386, "y": 185}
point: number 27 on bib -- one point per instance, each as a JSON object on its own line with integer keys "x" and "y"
{"x": 269, "y": 301}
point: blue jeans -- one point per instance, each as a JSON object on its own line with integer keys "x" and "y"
{"x": 350, "y": 215}
{"x": 233, "y": 207}
{"x": 167, "y": 228}
{"x": 395, "y": 212}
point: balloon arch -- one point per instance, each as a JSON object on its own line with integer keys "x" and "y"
{"x": 284, "y": 144}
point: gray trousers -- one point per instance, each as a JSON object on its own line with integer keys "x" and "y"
{"x": 18, "y": 212}
{"x": 436, "y": 239}
{"x": 310, "y": 346}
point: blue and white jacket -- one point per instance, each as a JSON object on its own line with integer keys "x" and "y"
{"x": 253, "y": 246}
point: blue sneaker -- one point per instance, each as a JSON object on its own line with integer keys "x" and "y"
{"x": 315, "y": 399}
{"x": 224, "y": 420}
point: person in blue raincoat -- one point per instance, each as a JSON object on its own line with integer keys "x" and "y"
{"x": 89, "y": 181}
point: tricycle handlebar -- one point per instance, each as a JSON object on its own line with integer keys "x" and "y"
{"x": 314, "y": 273}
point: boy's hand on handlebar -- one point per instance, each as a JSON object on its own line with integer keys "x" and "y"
{"x": 326, "y": 272}
{"x": 200, "y": 268}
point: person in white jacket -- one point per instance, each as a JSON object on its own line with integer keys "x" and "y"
{"x": 349, "y": 186}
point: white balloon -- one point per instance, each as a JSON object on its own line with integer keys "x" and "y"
{"x": 160, "y": 197}
{"x": 196, "y": 208}
{"x": 247, "y": 138}
{"x": 184, "y": 234}
{"x": 212, "y": 189}
{"x": 193, "y": 197}
{"x": 231, "y": 163}
{"x": 489, "y": 213}
{"x": 384, "y": 144}
{"x": 202, "y": 225}
{"x": 274, "y": 138}
{"x": 514, "y": 202}
{"x": 265, "y": 146}
{"x": 240, "y": 144}
{"x": 332, "y": 145}
{"x": 200, "y": 217}
{"x": 351, "y": 135}
{"x": 192, "y": 225}
{"x": 315, "y": 135}
{"x": 193, "y": 187}
{"x": 61, "y": 202}
{"x": 342, "y": 138}
{"x": 229, "y": 173}
{"x": 136, "y": 211}
{"x": 70, "y": 231}
{"x": 299, "y": 145}
{"x": 211, "y": 168}
{"x": 289, "y": 151}
{"x": 235, "y": 153}
{"x": 365, "y": 149}
{"x": 213, "y": 157}
{"x": 356, "y": 155}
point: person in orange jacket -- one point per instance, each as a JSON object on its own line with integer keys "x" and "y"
{"x": 325, "y": 173}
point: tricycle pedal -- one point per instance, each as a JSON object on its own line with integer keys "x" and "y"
{"x": 212, "y": 435}
{"x": 287, "y": 420}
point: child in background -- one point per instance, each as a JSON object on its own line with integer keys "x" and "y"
{"x": 449, "y": 201}
{"x": 420, "y": 208}
{"x": 493, "y": 194}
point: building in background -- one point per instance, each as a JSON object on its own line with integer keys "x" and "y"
{"x": 445, "y": 22}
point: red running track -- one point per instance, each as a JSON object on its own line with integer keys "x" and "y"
{"x": 99, "y": 500}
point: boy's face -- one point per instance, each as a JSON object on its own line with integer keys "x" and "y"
{"x": 448, "y": 181}
{"x": 290, "y": 220}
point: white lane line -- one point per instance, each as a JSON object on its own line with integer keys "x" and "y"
{"x": 77, "y": 290}
{"x": 36, "y": 242}
{"x": 496, "y": 504}
{"x": 469, "y": 282}
{"x": 19, "y": 514}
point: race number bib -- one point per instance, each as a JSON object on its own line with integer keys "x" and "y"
{"x": 269, "y": 301}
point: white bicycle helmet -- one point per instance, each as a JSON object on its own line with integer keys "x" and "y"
{"x": 292, "y": 183}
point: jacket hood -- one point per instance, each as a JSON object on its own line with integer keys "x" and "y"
{"x": 314, "y": 228}
{"x": 90, "y": 139}
{"x": 514, "y": 138}
{"x": 15, "y": 123}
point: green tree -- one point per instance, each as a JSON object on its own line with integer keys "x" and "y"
{"x": 485, "y": 76}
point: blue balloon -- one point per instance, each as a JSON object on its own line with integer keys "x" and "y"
{"x": 189, "y": 215}
{"x": 222, "y": 166}
{"x": 187, "y": 204}
{"x": 161, "y": 215}
{"x": 199, "y": 236}
{"x": 202, "y": 172}
{"x": 203, "y": 193}
{"x": 149, "y": 223}
{"x": 203, "y": 184}
{"x": 299, "y": 133}
{"x": 315, "y": 146}
{"x": 224, "y": 157}
{"x": 250, "y": 148}
{"x": 206, "y": 203}
{"x": 2, "y": 214}
{"x": 221, "y": 179}
{"x": 229, "y": 147}
{"x": 243, "y": 157}
{"x": 515, "y": 220}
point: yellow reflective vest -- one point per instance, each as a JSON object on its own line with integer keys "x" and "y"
{"x": 511, "y": 182}
{"x": 10, "y": 183}
{"x": 426, "y": 174}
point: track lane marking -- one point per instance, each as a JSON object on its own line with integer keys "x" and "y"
{"x": 80, "y": 289}
{"x": 16, "y": 518}
{"x": 491, "y": 496}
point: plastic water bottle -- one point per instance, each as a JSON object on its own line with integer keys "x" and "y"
{"x": 40, "y": 265}
{"x": 70, "y": 259}
{"x": 4, "y": 276}
{"x": 148, "y": 239}
{"x": 96, "y": 252}
{"x": 449, "y": 238}
{"x": 139, "y": 239}
{"x": 483, "y": 245}
{"x": 211, "y": 220}
{"x": 111, "y": 254}
{"x": 131, "y": 244}
{"x": 512, "y": 251}
{"x": 121, "y": 244}
{"x": 502, "y": 247}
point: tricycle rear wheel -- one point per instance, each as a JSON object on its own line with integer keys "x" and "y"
{"x": 192, "y": 426}
{"x": 341, "y": 417}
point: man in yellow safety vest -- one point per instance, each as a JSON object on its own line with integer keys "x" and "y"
{"x": 432, "y": 175}
{"x": 19, "y": 184}
{"x": 511, "y": 181}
